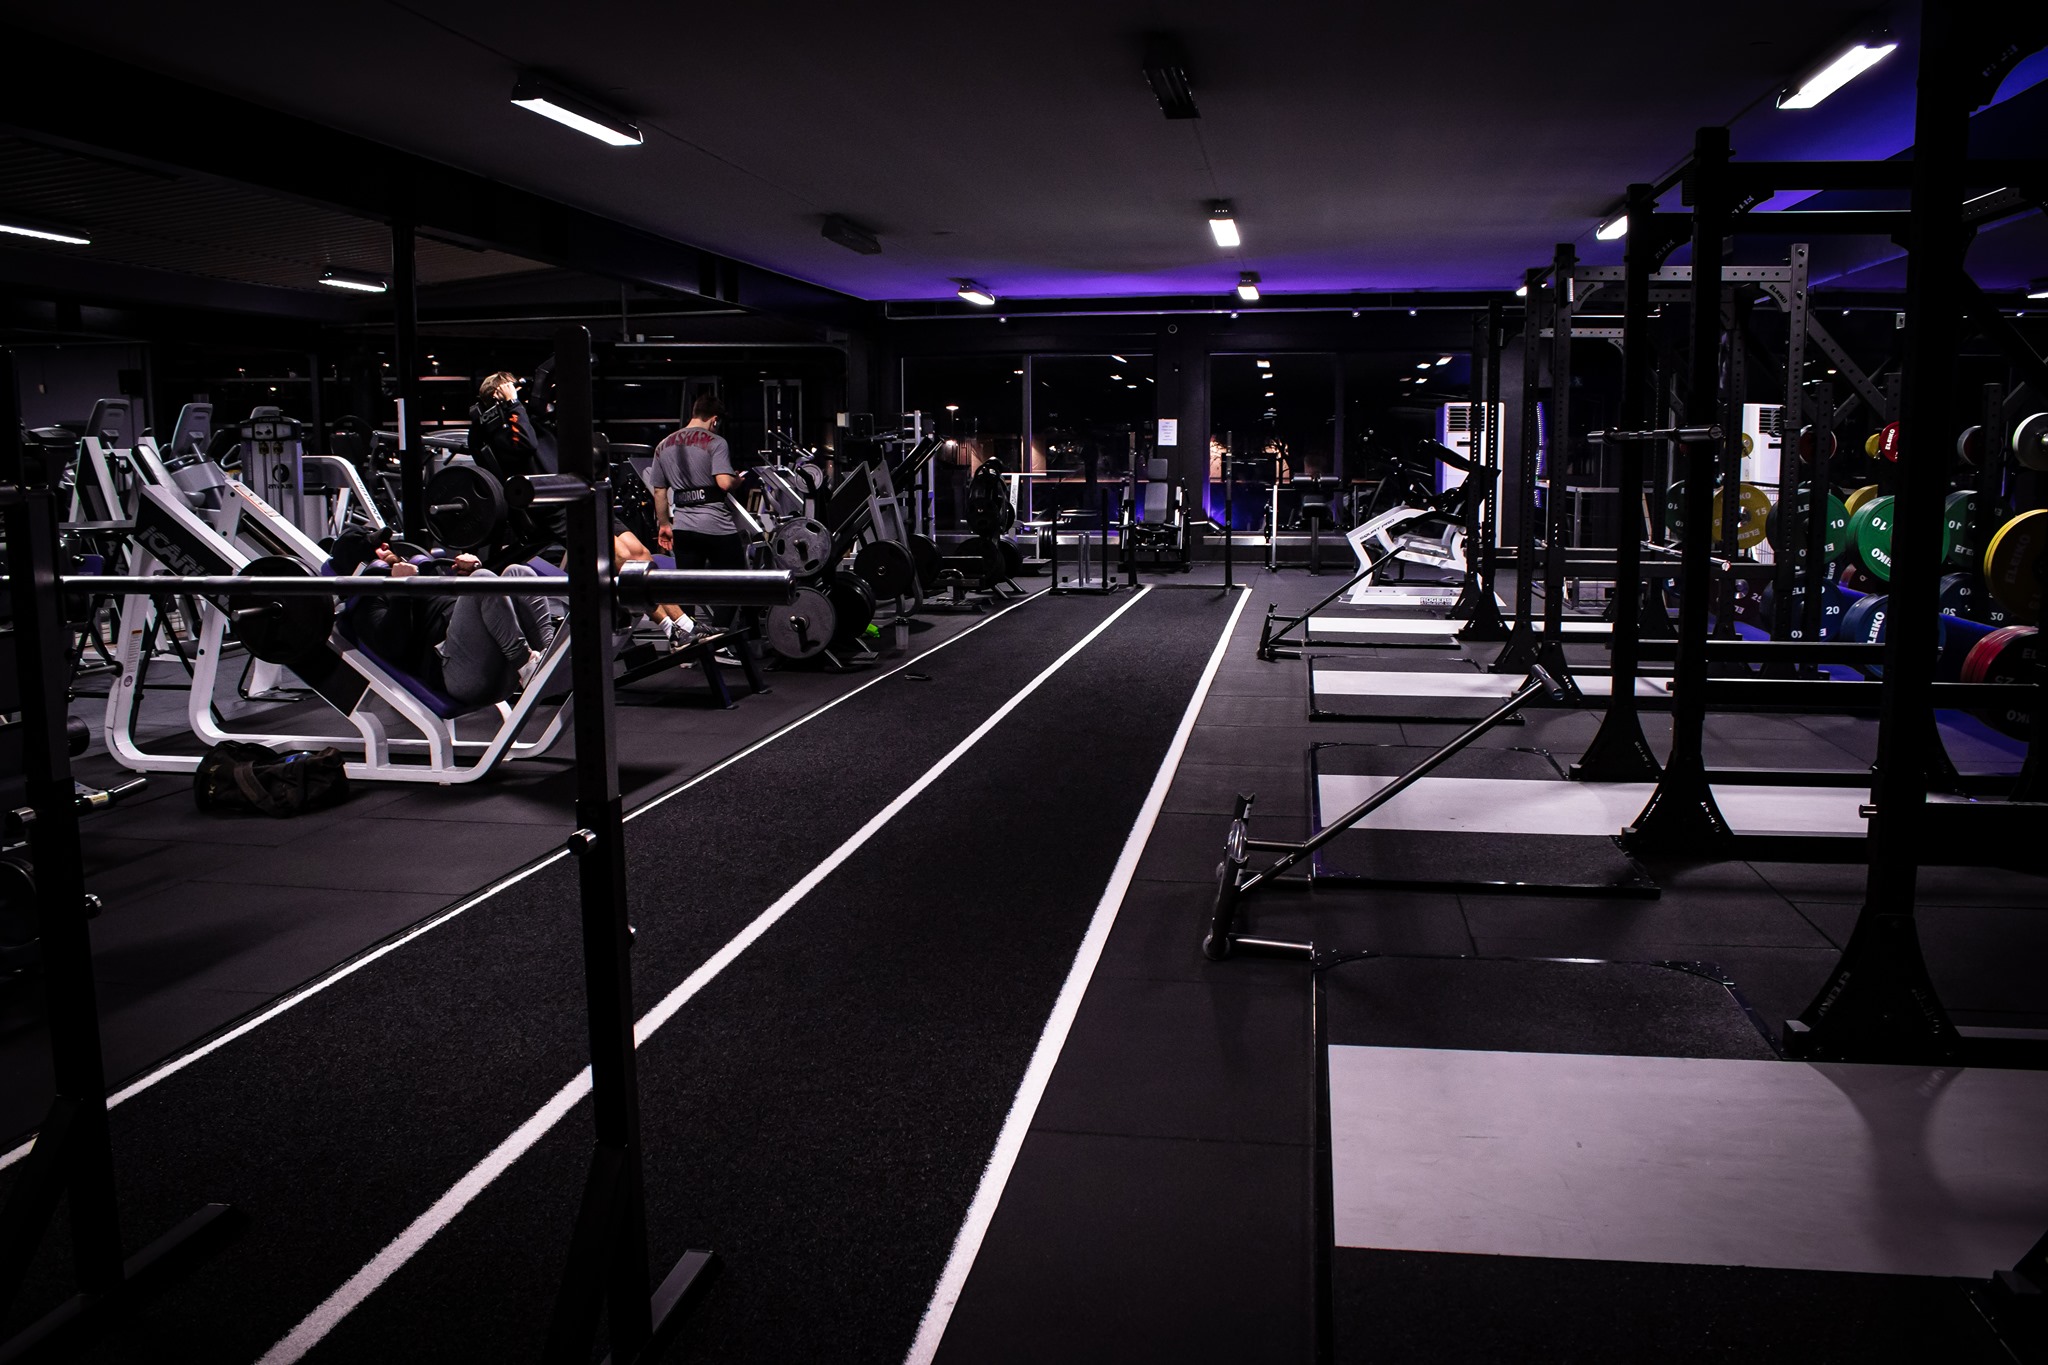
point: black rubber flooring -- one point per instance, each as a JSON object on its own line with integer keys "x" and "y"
{"x": 819, "y": 1115}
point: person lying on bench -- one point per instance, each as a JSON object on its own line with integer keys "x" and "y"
{"x": 478, "y": 650}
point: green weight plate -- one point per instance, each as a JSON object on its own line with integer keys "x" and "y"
{"x": 1958, "y": 516}
{"x": 1793, "y": 541}
{"x": 1871, "y": 528}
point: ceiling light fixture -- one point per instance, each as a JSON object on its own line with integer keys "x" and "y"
{"x": 18, "y": 226}
{"x": 1248, "y": 287}
{"x": 1223, "y": 223}
{"x": 1443, "y": 360}
{"x": 976, "y": 295}
{"x": 1421, "y": 381}
{"x": 1119, "y": 360}
{"x": 362, "y": 281}
{"x": 1614, "y": 229}
{"x": 2038, "y": 289}
{"x": 1422, "y": 364}
{"x": 1166, "y": 71}
{"x": 851, "y": 235}
{"x": 1522, "y": 292}
{"x": 1837, "y": 72}
{"x": 571, "y": 110}
{"x": 1265, "y": 364}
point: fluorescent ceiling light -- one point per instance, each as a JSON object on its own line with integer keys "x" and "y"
{"x": 1422, "y": 364}
{"x": 550, "y": 101}
{"x": 1836, "y": 74}
{"x": 18, "y": 226}
{"x": 952, "y": 407}
{"x": 1166, "y": 71}
{"x": 1119, "y": 360}
{"x": 851, "y": 235}
{"x": 1223, "y": 223}
{"x": 1422, "y": 381}
{"x": 362, "y": 281}
{"x": 2038, "y": 289}
{"x": 1443, "y": 360}
{"x": 1265, "y": 364}
{"x": 976, "y": 295}
{"x": 1613, "y": 229}
{"x": 1116, "y": 376}
{"x": 1248, "y": 286}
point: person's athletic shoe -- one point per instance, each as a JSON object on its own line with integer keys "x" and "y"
{"x": 679, "y": 630}
{"x": 528, "y": 669}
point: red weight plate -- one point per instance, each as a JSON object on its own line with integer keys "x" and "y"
{"x": 1888, "y": 442}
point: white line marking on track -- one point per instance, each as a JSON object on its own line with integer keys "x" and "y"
{"x": 173, "y": 1066}
{"x": 953, "y": 1279}
{"x": 408, "y": 1243}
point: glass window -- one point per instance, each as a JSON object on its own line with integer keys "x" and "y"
{"x": 1275, "y": 415}
{"x": 1092, "y": 425}
{"x": 977, "y": 404}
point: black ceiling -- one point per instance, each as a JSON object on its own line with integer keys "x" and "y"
{"x": 1367, "y": 146}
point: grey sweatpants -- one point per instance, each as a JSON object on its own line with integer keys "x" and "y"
{"x": 488, "y": 640}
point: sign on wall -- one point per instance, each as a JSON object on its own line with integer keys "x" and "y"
{"x": 1169, "y": 431}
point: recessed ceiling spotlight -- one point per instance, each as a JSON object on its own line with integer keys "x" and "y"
{"x": 1223, "y": 223}
{"x": 1411, "y": 312}
{"x": 1269, "y": 393}
{"x": 1248, "y": 287}
{"x": 1264, "y": 364}
{"x": 1837, "y": 72}
{"x": 1116, "y": 376}
{"x": 42, "y": 231}
{"x": 976, "y": 295}
{"x": 1422, "y": 364}
{"x": 361, "y": 281}
{"x": 1421, "y": 381}
{"x": 1354, "y": 312}
{"x": 1614, "y": 229}
{"x": 1522, "y": 292}
{"x": 572, "y": 110}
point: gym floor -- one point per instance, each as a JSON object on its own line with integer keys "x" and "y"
{"x": 930, "y": 1056}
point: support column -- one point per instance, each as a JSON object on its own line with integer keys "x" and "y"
{"x": 1682, "y": 818}
{"x": 1880, "y": 1004}
{"x": 1619, "y": 752}
{"x": 405, "y": 373}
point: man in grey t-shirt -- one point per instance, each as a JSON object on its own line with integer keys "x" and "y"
{"x": 690, "y": 477}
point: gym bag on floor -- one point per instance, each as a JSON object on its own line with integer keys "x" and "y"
{"x": 239, "y": 776}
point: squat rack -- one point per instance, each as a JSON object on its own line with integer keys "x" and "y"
{"x": 607, "y": 1277}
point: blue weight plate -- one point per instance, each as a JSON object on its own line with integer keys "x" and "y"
{"x": 1863, "y": 621}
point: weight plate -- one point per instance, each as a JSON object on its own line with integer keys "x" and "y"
{"x": 1888, "y": 442}
{"x": 1871, "y": 443}
{"x": 465, "y": 506}
{"x": 1748, "y": 444}
{"x": 1752, "y": 514}
{"x": 1013, "y": 558}
{"x": 1794, "y": 542}
{"x": 2014, "y": 563}
{"x": 801, "y": 629}
{"x": 1863, "y": 620}
{"x": 1969, "y": 444}
{"x": 1833, "y": 602}
{"x": 800, "y": 545}
{"x": 810, "y": 478}
{"x": 1806, "y": 444}
{"x": 1958, "y": 518}
{"x": 1958, "y": 638}
{"x": 1958, "y": 590}
{"x": 1855, "y": 578}
{"x": 924, "y": 551}
{"x": 1854, "y": 502}
{"x": 888, "y": 568}
{"x": 2011, "y": 655}
{"x": 854, "y": 603}
{"x": 280, "y": 630}
{"x": 1871, "y": 528}
{"x": 2030, "y": 441}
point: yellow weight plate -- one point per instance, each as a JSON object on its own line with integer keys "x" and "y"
{"x": 1752, "y": 516}
{"x": 1748, "y": 444}
{"x": 1854, "y": 502}
{"x": 1871, "y": 444}
{"x": 2014, "y": 564}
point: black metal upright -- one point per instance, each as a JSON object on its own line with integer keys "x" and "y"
{"x": 1520, "y": 650}
{"x": 1880, "y": 1003}
{"x": 72, "y": 1161}
{"x": 405, "y": 375}
{"x": 1682, "y": 817}
{"x": 608, "y": 1268}
{"x": 1619, "y": 752}
{"x": 1477, "y": 602}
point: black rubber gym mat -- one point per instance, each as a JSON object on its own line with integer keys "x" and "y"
{"x": 1432, "y": 1306}
{"x": 1590, "y": 864}
{"x": 820, "y": 1115}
